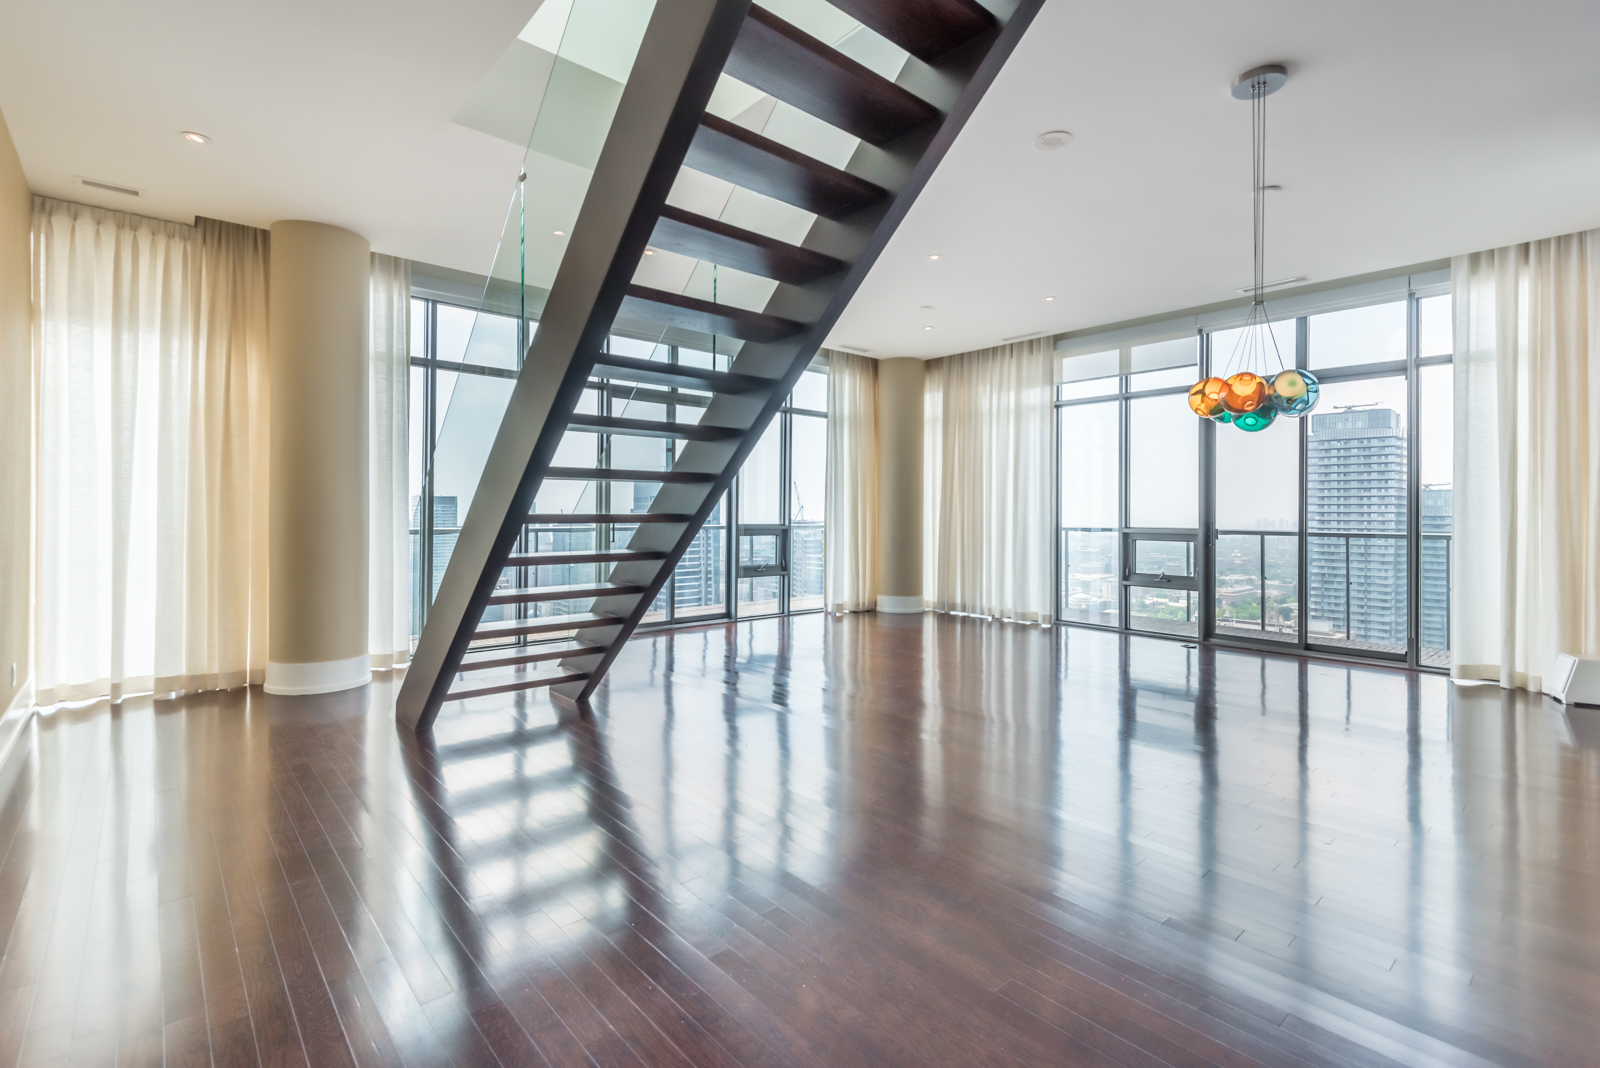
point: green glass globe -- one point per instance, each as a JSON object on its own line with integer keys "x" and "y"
{"x": 1259, "y": 419}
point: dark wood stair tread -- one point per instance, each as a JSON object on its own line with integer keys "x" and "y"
{"x": 570, "y": 592}
{"x": 557, "y": 519}
{"x": 527, "y": 654}
{"x": 512, "y": 682}
{"x": 653, "y": 428}
{"x": 926, "y": 28}
{"x": 728, "y": 151}
{"x": 704, "y": 316}
{"x": 702, "y": 238}
{"x": 679, "y": 375}
{"x": 586, "y": 556}
{"x": 777, "y": 58}
{"x": 510, "y": 628}
{"x": 627, "y": 474}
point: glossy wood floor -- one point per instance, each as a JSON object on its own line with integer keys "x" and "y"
{"x": 868, "y": 841}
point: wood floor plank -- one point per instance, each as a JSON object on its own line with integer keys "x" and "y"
{"x": 818, "y": 842}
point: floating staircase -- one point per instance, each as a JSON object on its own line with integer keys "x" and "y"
{"x": 905, "y": 126}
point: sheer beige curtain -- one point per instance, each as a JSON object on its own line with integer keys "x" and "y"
{"x": 988, "y": 514}
{"x": 151, "y": 488}
{"x": 1526, "y": 553}
{"x": 389, "y": 578}
{"x": 851, "y": 524}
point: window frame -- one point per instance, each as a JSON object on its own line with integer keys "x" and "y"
{"x": 426, "y": 304}
{"x": 1207, "y": 534}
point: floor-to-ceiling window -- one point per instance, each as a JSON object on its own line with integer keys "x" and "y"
{"x": 781, "y": 492}
{"x": 464, "y": 364}
{"x": 1328, "y": 533}
{"x": 1129, "y": 499}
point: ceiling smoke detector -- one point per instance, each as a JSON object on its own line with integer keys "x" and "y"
{"x": 1051, "y": 140}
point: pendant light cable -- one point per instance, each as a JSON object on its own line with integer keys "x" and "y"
{"x": 1253, "y": 351}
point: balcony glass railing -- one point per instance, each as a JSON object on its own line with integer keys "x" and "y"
{"x": 1258, "y": 585}
{"x": 1091, "y": 571}
{"x": 1357, "y": 592}
{"x": 1433, "y": 646}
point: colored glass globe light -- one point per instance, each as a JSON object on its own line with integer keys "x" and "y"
{"x": 1224, "y": 417}
{"x": 1259, "y": 419}
{"x": 1246, "y": 392}
{"x": 1295, "y": 392}
{"x": 1205, "y": 397}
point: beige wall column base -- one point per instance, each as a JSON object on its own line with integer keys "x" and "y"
{"x": 319, "y": 296}
{"x": 904, "y": 605}
{"x": 290, "y": 680}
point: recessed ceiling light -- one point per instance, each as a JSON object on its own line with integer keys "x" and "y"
{"x": 649, "y": 252}
{"x": 1048, "y": 299}
{"x": 560, "y": 233}
{"x": 197, "y": 138}
{"x": 927, "y": 328}
{"x": 1051, "y": 140}
{"x": 934, "y": 256}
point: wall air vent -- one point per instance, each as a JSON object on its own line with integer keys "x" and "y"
{"x": 110, "y": 187}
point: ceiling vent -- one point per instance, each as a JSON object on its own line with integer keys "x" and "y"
{"x": 110, "y": 187}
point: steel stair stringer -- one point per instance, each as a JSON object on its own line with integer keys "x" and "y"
{"x": 685, "y": 46}
{"x": 955, "y": 86}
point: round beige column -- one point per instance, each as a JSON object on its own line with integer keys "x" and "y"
{"x": 900, "y": 383}
{"x": 317, "y": 318}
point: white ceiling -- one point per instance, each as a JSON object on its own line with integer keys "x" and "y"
{"x": 338, "y": 112}
{"x": 1407, "y": 132}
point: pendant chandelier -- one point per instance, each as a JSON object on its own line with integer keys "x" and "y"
{"x": 1256, "y": 387}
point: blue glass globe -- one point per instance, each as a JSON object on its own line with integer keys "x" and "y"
{"x": 1295, "y": 392}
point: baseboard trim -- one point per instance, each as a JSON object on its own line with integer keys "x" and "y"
{"x": 327, "y": 676}
{"x": 899, "y": 605}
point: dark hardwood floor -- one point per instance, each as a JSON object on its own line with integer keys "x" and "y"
{"x": 869, "y": 841}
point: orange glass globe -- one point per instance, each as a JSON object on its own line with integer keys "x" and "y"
{"x": 1246, "y": 392}
{"x": 1205, "y": 397}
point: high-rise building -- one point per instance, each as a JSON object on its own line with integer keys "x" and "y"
{"x": 1355, "y": 514}
{"x": 807, "y": 557}
{"x": 697, "y": 581}
{"x": 446, "y": 528}
{"x": 1434, "y": 609}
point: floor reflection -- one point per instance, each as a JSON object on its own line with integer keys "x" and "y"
{"x": 922, "y": 840}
